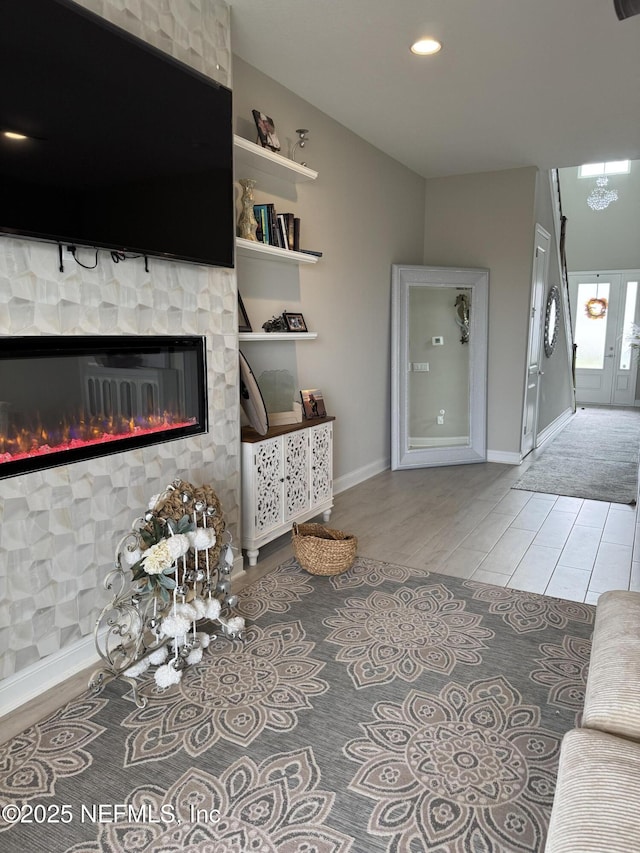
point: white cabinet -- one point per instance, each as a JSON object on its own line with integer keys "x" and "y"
{"x": 287, "y": 477}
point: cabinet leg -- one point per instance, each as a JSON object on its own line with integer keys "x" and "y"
{"x": 326, "y": 515}
{"x": 252, "y": 554}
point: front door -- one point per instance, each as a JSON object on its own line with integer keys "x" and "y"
{"x": 604, "y": 307}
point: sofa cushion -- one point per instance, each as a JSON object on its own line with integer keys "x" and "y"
{"x": 612, "y": 699}
{"x": 596, "y": 807}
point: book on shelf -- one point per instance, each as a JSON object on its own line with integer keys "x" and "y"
{"x": 277, "y": 229}
{"x": 274, "y": 229}
{"x": 313, "y": 403}
{"x": 284, "y": 230}
{"x": 261, "y": 215}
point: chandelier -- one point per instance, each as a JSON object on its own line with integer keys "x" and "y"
{"x": 600, "y": 197}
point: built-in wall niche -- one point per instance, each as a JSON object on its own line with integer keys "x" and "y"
{"x": 64, "y": 399}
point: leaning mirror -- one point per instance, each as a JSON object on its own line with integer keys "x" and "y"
{"x": 439, "y": 366}
{"x": 551, "y": 320}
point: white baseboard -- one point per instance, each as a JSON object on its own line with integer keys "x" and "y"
{"x": 555, "y": 426}
{"x": 504, "y": 457}
{"x": 47, "y": 673}
{"x": 353, "y": 478}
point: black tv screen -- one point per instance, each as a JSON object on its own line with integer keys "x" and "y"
{"x": 126, "y": 148}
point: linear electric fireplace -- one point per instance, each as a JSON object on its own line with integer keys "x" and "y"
{"x": 63, "y": 399}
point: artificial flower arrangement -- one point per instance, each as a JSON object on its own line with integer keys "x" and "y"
{"x": 179, "y": 565}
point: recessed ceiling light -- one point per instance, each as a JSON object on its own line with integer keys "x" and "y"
{"x": 425, "y": 47}
{"x": 10, "y": 134}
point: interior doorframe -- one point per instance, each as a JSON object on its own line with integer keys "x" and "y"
{"x": 535, "y": 333}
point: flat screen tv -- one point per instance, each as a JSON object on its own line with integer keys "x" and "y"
{"x": 125, "y": 149}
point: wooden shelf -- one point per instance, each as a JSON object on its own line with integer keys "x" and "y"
{"x": 249, "y": 156}
{"x": 251, "y": 249}
{"x": 277, "y": 336}
{"x": 250, "y": 436}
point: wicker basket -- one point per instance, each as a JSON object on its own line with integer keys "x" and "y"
{"x": 323, "y": 551}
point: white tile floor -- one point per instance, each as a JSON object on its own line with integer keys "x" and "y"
{"x": 565, "y": 547}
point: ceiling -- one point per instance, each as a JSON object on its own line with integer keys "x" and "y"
{"x": 548, "y": 83}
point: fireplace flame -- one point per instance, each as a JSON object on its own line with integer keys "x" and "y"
{"x": 41, "y": 440}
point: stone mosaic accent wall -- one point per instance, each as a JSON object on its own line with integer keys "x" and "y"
{"x": 59, "y": 527}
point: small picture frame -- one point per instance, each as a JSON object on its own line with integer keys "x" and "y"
{"x": 295, "y": 322}
{"x": 312, "y": 404}
{"x": 243, "y": 318}
{"x": 266, "y": 131}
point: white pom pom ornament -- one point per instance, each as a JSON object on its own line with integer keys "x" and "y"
{"x": 166, "y": 676}
{"x": 159, "y": 656}
{"x": 202, "y": 537}
{"x": 195, "y": 656}
{"x": 204, "y": 638}
{"x": 213, "y": 608}
{"x": 175, "y": 626}
{"x": 138, "y": 668}
{"x": 235, "y": 624}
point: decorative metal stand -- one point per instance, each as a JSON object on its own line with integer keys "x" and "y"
{"x": 171, "y": 590}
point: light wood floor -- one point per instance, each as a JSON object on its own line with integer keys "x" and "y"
{"x": 465, "y": 521}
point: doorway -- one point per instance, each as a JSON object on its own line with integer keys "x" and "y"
{"x": 604, "y": 308}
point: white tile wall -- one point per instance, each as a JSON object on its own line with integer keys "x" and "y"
{"x": 59, "y": 528}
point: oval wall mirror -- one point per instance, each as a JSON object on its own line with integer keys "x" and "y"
{"x": 551, "y": 319}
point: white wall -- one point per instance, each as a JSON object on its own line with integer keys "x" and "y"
{"x": 605, "y": 239}
{"x": 487, "y": 220}
{"x": 364, "y": 212}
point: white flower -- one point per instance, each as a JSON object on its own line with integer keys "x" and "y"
{"x": 158, "y": 558}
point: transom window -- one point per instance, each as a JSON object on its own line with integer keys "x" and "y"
{"x": 613, "y": 167}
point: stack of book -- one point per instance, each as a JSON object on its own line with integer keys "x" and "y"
{"x": 277, "y": 229}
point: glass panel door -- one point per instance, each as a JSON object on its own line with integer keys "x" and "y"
{"x": 604, "y": 310}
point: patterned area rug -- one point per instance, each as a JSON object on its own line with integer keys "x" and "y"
{"x": 381, "y": 710}
{"x": 594, "y": 457}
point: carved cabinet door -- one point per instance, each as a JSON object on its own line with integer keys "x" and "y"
{"x": 296, "y": 473}
{"x": 268, "y": 484}
{"x": 321, "y": 462}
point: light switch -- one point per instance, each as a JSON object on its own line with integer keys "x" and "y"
{"x": 437, "y": 341}
{"x": 420, "y": 366}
